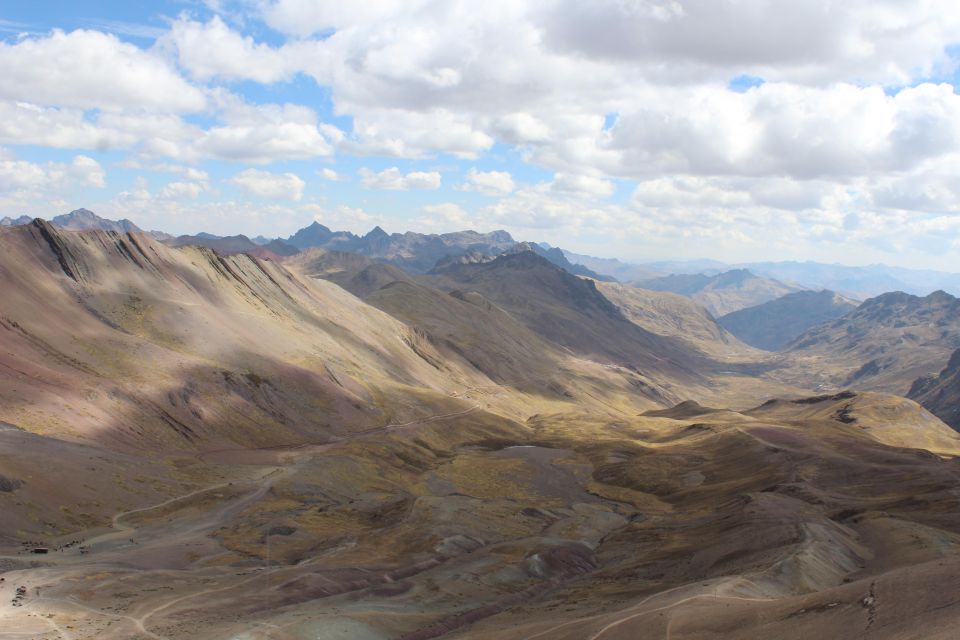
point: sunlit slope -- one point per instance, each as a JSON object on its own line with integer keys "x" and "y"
{"x": 674, "y": 315}
{"x": 796, "y": 516}
{"x": 512, "y": 354}
{"x": 120, "y": 338}
{"x": 569, "y": 311}
{"x": 574, "y": 526}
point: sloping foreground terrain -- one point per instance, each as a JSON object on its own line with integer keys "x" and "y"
{"x": 230, "y": 448}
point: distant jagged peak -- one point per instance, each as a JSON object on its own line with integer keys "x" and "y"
{"x": 941, "y": 297}
{"x": 376, "y": 233}
{"x": 498, "y": 236}
{"x": 313, "y": 235}
{"x": 525, "y": 255}
{"x": 892, "y": 299}
{"x": 521, "y": 247}
{"x": 316, "y": 226}
{"x": 7, "y": 221}
{"x": 231, "y": 245}
{"x": 734, "y": 276}
{"x": 83, "y": 219}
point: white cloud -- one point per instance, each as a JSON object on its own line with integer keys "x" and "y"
{"x": 21, "y": 175}
{"x": 214, "y": 50}
{"x": 187, "y": 172}
{"x": 444, "y": 216}
{"x": 88, "y": 171}
{"x": 413, "y": 134}
{"x": 265, "y": 133}
{"x": 287, "y": 140}
{"x": 489, "y": 183}
{"x": 329, "y": 174}
{"x": 275, "y": 186}
{"x": 92, "y": 70}
{"x": 521, "y": 128}
{"x": 305, "y": 17}
{"x": 345, "y": 217}
{"x": 244, "y": 133}
{"x": 393, "y": 179}
{"x": 584, "y": 185}
{"x": 816, "y": 41}
{"x": 178, "y": 190}
{"x": 25, "y": 123}
{"x": 590, "y": 92}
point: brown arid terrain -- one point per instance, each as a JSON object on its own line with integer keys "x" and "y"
{"x": 940, "y": 393}
{"x": 885, "y": 344}
{"x": 325, "y": 447}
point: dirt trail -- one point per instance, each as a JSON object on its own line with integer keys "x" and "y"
{"x": 548, "y": 633}
{"x": 699, "y": 596}
{"x": 102, "y": 554}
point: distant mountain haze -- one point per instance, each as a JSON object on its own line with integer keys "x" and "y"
{"x": 857, "y": 283}
{"x": 235, "y": 244}
{"x": 722, "y": 293}
{"x": 772, "y": 325}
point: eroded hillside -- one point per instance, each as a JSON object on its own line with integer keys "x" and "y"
{"x": 325, "y": 446}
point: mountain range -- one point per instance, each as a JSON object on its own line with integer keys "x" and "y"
{"x": 452, "y": 436}
{"x": 722, "y": 293}
{"x": 774, "y": 324}
{"x": 420, "y": 252}
{"x": 78, "y": 220}
{"x": 857, "y": 282}
{"x": 885, "y": 343}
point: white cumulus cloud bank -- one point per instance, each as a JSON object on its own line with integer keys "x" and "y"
{"x": 393, "y": 179}
{"x": 273, "y": 186}
{"x": 489, "y": 183}
{"x": 22, "y": 175}
{"x": 88, "y": 69}
{"x": 853, "y": 122}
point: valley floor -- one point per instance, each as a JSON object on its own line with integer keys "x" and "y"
{"x": 791, "y": 520}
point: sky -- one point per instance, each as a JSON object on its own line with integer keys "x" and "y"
{"x": 737, "y": 130}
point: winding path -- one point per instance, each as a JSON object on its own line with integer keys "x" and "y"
{"x": 123, "y": 530}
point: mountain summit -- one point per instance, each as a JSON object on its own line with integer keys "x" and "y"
{"x": 81, "y": 219}
{"x": 724, "y": 292}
